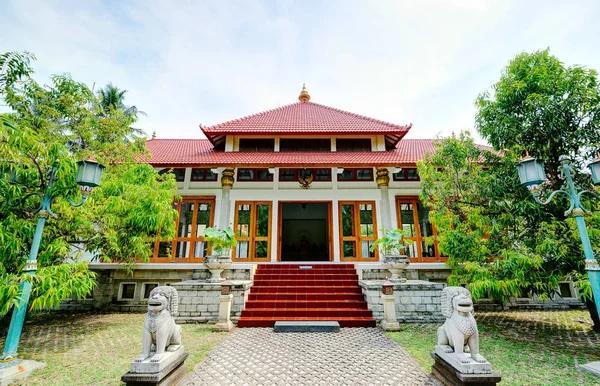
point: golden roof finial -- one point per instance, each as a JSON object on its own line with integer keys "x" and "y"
{"x": 304, "y": 96}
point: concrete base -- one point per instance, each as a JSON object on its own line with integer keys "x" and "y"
{"x": 463, "y": 363}
{"x": 592, "y": 367}
{"x": 170, "y": 375}
{"x": 16, "y": 369}
{"x": 224, "y": 326}
{"x": 169, "y": 357}
{"x": 449, "y": 376}
{"x": 390, "y": 326}
{"x": 306, "y": 326}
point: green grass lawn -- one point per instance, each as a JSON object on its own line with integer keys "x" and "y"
{"x": 96, "y": 349}
{"x": 525, "y": 348}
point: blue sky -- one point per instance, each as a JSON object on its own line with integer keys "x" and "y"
{"x": 191, "y": 62}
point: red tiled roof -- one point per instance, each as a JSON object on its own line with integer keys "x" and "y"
{"x": 190, "y": 152}
{"x": 305, "y": 118}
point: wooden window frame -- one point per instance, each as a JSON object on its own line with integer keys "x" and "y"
{"x": 404, "y": 177}
{"x": 342, "y": 143}
{"x": 252, "y": 238}
{"x": 297, "y": 172}
{"x": 357, "y": 238}
{"x": 255, "y": 175}
{"x": 355, "y": 175}
{"x": 418, "y": 239}
{"x": 197, "y": 200}
{"x": 205, "y": 171}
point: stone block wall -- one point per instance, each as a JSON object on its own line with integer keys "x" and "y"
{"x": 416, "y": 301}
{"x": 199, "y": 300}
{"x": 108, "y": 294}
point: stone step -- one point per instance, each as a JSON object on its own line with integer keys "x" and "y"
{"x": 306, "y": 326}
{"x": 343, "y": 321}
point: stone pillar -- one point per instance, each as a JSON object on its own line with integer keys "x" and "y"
{"x": 226, "y": 184}
{"x": 383, "y": 180}
{"x": 390, "y": 323}
{"x": 224, "y": 323}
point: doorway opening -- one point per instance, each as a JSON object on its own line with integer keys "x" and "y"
{"x": 305, "y": 231}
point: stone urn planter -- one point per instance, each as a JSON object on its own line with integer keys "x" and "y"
{"x": 392, "y": 244}
{"x": 216, "y": 264}
{"x": 396, "y": 265}
{"x": 221, "y": 241}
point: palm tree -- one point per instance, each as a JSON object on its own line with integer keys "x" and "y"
{"x": 113, "y": 98}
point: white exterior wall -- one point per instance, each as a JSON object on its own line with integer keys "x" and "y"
{"x": 276, "y": 191}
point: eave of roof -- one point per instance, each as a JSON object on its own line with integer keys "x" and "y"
{"x": 198, "y": 152}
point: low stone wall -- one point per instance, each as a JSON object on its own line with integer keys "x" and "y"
{"x": 416, "y": 301}
{"x": 199, "y": 300}
{"x": 110, "y": 294}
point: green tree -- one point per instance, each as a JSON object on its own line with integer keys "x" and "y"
{"x": 499, "y": 241}
{"x": 60, "y": 124}
{"x": 111, "y": 99}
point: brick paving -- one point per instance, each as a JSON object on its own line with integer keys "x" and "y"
{"x": 353, "y": 356}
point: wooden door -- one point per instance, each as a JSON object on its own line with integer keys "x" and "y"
{"x": 358, "y": 230}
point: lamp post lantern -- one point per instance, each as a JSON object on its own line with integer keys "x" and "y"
{"x": 89, "y": 174}
{"x": 531, "y": 174}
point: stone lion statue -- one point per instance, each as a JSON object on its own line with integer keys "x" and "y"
{"x": 459, "y": 332}
{"x": 160, "y": 330}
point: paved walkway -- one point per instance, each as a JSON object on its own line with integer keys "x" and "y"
{"x": 354, "y": 356}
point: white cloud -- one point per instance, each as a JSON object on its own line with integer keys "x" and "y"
{"x": 187, "y": 63}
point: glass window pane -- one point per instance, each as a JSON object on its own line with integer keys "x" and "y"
{"x": 411, "y": 250}
{"x": 366, "y": 230}
{"x": 346, "y": 175}
{"x": 245, "y": 174}
{"x": 197, "y": 174}
{"x": 428, "y": 250}
{"x": 179, "y": 174}
{"x": 261, "y": 249}
{"x": 366, "y": 245}
{"x": 185, "y": 220}
{"x": 407, "y": 219}
{"x": 262, "y": 218}
{"x": 347, "y": 220}
{"x": 323, "y": 175}
{"x": 200, "y": 249}
{"x": 399, "y": 175}
{"x": 364, "y": 174}
{"x": 182, "y": 248}
{"x": 241, "y": 250}
{"x": 264, "y": 175}
{"x": 426, "y": 226}
{"x": 243, "y": 220}
{"x": 287, "y": 175}
{"x": 209, "y": 175}
{"x": 164, "y": 249}
{"x": 202, "y": 219}
{"x": 349, "y": 249}
{"x": 411, "y": 174}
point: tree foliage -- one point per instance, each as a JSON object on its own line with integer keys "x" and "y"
{"x": 498, "y": 239}
{"x": 59, "y": 124}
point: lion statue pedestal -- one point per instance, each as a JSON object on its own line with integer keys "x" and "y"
{"x": 457, "y": 358}
{"x": 162, "y": 357}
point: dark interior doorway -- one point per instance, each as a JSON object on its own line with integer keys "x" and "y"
{"x": 305, "y": 231}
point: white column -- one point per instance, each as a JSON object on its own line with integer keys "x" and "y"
{"x": 383, "y": 181}
{"x": 226, "y": 184}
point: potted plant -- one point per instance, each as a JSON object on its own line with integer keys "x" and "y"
{"x": 392, "y": 245}
{"x": 221, "y": 241}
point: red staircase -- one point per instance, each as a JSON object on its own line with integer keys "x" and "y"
{"x": 326, "y": 292}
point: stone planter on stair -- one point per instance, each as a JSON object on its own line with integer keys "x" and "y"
{"x": 396, "y": 265}
{"x": 216, "y": 264}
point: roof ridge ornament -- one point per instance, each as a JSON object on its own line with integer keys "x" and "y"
{"x": 304, "y": 96}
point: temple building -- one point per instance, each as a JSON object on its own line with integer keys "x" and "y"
{"x": 307, "y": 189}
{"x": 302, "y": 182}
